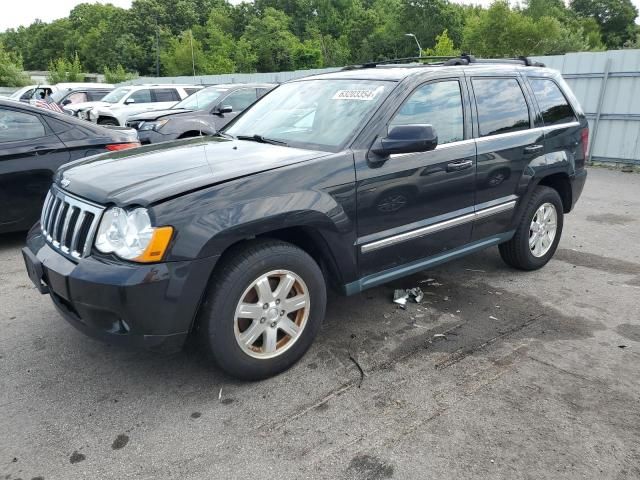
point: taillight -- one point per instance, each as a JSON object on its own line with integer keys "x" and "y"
{"x": 122, "y": 146}
{"x": 584, "y": 137}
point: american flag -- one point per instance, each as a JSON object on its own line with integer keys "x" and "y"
{"x": 49, "y": 105}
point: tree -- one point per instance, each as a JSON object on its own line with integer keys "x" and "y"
{"x": 63, "y": 70}
{"x": 500, "y": 31}
{"x": 276, "y": 48}
{"x": 11, "y": 74}
{"x": 443, "y": 48}
{"x": 118, "y": 74}
{"x": 615, "y": 17}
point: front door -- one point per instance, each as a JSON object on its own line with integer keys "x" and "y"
{"x": 417, "y": 205}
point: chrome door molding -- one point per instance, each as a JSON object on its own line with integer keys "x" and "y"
{"x": 437, "y": 227}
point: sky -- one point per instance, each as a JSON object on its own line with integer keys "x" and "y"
{"x": 25, "y": 12}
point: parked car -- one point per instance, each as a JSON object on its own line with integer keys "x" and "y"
{"x": 115, "y": 108}
{"x": 202, "y": 113}
{"x": 73, "y": 95}
{"x": 31, "y": 92}
{"x": 234, "y": 237}
{"x": 33, "y": 144}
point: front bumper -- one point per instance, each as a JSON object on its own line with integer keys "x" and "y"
{"x": 151, "y": 306}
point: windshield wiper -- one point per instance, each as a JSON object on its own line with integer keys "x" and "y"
{"x": 262, "y": 139}
{"x": 223, "y": 135}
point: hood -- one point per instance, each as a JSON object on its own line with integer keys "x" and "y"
{"x": 156, "y": 114}
{"x": 148, "y": 174}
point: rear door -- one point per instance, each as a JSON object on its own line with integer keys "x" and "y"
{"x": 417, "y": 205}
{"x": 29, "y": 155}
{"x": 507, "y": 142}
{"x": 562, "y": 130}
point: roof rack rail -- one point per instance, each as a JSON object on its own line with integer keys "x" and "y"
{"x": 462, "y": 59}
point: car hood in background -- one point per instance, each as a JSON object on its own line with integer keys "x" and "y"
{"x": 84, "y": 105}
{"x": 148, "y": 174}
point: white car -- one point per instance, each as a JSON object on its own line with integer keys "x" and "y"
{"x": 117, "y": 106}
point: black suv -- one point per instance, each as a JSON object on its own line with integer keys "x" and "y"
{"x": 203, "y": 113}
{"x": 352, "y": 178}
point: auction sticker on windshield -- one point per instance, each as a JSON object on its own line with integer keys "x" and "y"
{"x": 366, "y": 95}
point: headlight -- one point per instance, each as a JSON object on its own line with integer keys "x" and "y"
{"x": 130, "y": 236}
{"x": 153, "y": 125}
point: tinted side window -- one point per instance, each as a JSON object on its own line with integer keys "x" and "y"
{"x": 141, "y": 96}
{"x": 191, "y": 91}
{"x": 438, "y": 104}
{"x": 19, "y": 126}
{"x": 95, "y": 95}
{"x": 552, "y": 102}
{"x": 501, "y": 105}
{"x": 166, "y": 95}
{"x": 27, "y": 95}
{"x": 240, "y": 99}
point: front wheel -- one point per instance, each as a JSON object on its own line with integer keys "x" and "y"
{"x": 538, "y": 233}
{"x": 264, "y": 307}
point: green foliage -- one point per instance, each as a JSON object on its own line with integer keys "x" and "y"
{"x": 117, "y": 74}
{"x": 272, "y": 35}
{"x": 443, "y": 48}
{"x": 500, "y": 31}
{"x": 11, "y": 74}
{"x": 615, "y": 17}
{"x": 63, "y": 70}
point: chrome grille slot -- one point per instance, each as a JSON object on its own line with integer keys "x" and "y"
{"x": 69, "y": 223}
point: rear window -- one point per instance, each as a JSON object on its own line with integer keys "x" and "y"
{"x": 553, "y": 104}
{"x": 501, "y": 106}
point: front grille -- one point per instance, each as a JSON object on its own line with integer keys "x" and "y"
{"x": 69, "y": 223}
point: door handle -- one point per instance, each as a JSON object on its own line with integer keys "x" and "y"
{"x": 457, "y": 166}
{"x": 532, "y": 149}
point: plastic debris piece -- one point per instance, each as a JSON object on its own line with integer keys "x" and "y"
{"x": 440, "y": 335}
{"x": 400, "y": 297}
{"x": 220, "y": 394}
{"x": 492, "y": 317}
{"x": 473, "y": 270}
{"x": 416, "y": 294}
{"x": 428, "y": 280}
{"x": 446, "y": 299}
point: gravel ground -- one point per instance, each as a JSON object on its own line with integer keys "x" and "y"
{"x": 536, "y": 377}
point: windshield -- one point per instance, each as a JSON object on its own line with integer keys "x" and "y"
{"x": 201, "y": 100}
{"x": 116, "y": 95}
{"x": 322, "y": 114}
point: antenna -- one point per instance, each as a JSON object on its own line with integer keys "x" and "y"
{"x": 193, "y": 64}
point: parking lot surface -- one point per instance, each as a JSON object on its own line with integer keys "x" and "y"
{"x": 497, "y": 374}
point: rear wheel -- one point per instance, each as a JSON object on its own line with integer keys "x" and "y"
{"x": 264, "y": 307}
{"x": 108, "y": 121}
{"x": 538, "y": 232}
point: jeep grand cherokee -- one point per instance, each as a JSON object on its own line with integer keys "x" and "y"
{"x": 353, "y": 178}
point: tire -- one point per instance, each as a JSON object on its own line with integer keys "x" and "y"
{"x": 108, "y": 121}
{"x": 517, "y": 252}
{"x": 233, "y": 282}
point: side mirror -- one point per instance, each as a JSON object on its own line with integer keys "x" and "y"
{"x": 406, "y": 139}
{"x": 129, "y": 101}
{"x": 66, "y": 102}
{"x": 224, "y": 109}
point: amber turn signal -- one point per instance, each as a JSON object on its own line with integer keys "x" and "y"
{"x": 157, "y": 246}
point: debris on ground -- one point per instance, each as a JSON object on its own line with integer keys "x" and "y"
{"x": 492, "y": 317}
{"x": 473, "y": 270}
{"x": 439, "y": 335}
{"x": 220, "y": 394}
{"x": 401, "y": 297}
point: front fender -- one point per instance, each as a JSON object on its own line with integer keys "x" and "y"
{"x": 178, "y": 127}
{"x": 209, "y": 221}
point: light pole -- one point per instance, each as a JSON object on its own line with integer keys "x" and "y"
{"x": 417, "y": 42}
